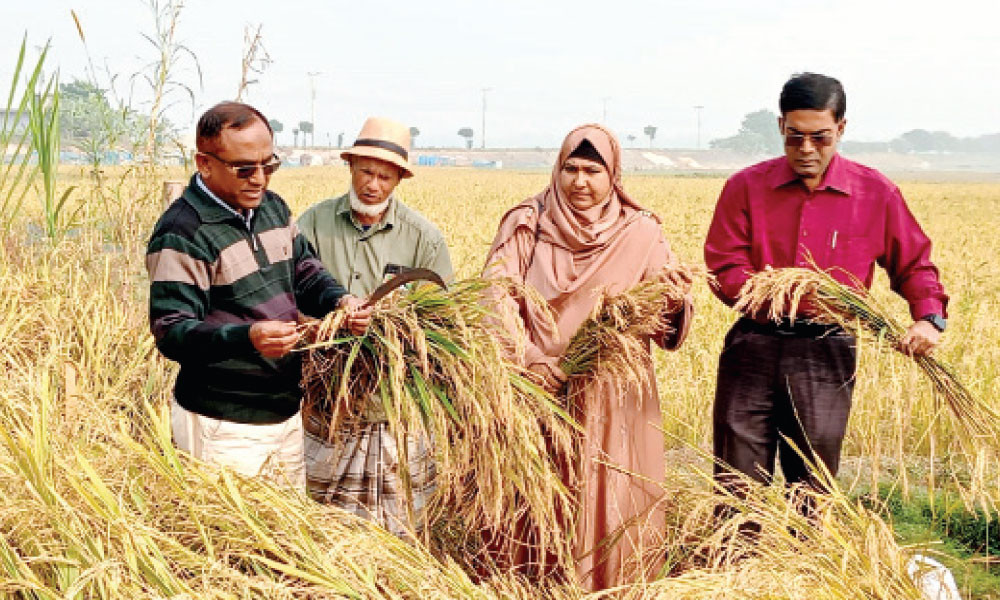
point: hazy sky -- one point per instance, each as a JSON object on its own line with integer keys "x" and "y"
{"x": 551, "y": 65}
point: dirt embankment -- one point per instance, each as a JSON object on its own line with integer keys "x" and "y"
{"x": 967, "y": 167}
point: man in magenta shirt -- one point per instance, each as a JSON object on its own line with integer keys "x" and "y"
{"x": 794, "y": 378}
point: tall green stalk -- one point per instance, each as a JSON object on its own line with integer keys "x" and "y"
{"x": 43, "y": 122}
{"x": 16, "y": 169}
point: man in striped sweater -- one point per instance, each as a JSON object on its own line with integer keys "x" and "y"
{"x": 229, "y": 275}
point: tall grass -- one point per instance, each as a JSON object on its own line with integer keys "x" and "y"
{"x": 162, "y": 74}
{"x": 17, "y": 172}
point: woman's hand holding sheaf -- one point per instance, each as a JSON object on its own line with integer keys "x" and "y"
{"x": 548, "y": 374}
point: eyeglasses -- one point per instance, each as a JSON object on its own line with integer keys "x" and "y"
{"x": 248, "y": 171}
{"x": 818, "y": 139}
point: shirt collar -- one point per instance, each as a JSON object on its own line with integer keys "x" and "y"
{"x": 835, "y": 177}
{"x": 204, "y": 188}
{"x": 388, "y": 219}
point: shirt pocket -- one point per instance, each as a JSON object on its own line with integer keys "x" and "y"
{"x": 853, "y": 253}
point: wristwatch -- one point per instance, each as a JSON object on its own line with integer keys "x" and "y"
{"x": 936, "y": 320}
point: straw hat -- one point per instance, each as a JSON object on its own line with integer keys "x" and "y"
{"x": 383, "y": 139}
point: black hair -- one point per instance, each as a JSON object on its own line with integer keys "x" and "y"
{"x": 588, "y": 151}
{"x": 812, "y": 91}
{"x": 225, "y": 115}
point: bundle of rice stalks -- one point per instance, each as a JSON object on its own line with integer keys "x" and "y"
{"x": 781, "y": 292}
{"x": 434, "y": 364}
{"x": 615, "y": 338}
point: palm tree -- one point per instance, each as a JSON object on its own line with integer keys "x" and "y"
{"x": 276, "y": 126}
{"x": 466, "y": 132}
{"x": 307, "y": 127}
{"x": 650, "y": 130}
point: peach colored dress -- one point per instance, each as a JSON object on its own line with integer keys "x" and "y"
{"x": 569, "y": 256}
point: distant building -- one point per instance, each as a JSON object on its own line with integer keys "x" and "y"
{"x": 7, "y": 121}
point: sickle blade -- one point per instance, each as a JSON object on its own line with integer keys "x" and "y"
{"x": 404, "y": 277}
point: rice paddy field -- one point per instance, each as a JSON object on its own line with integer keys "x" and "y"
{"x": 96, "y": 504}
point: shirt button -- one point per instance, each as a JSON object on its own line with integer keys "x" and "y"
{"x": 805, "y": 233}
{"x": 357, "y": 275}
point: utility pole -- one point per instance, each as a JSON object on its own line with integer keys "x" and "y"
{"x": 312, "y": 104}
{"x": 484, "y": 115}
{"x": 604, "y": 121}
{"x": 697, "y": 110}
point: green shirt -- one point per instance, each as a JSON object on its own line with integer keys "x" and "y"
{"x": 358, "y": 258}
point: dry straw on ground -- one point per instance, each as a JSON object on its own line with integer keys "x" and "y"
{"x": 771, "y": 548}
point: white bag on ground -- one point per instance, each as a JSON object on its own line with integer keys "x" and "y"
{"x": 932, "y": 578}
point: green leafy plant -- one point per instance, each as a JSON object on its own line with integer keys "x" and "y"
{"x": 43, "y": 122}
{"x": 17, "y": 172}
{"x": 162, "y": 74}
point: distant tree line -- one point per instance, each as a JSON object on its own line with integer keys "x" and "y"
{"x": 90, "y": 122}
{"x": 921, "y": 140}
{"x": 759, "y": 134}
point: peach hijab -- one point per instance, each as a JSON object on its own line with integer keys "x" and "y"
{"x": 577, "y": 252}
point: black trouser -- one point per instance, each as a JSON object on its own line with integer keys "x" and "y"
{"x": 778, "y": 381}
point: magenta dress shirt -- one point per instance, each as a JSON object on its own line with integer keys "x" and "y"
{"x": 854, "y": 218}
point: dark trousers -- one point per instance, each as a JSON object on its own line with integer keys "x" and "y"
{"x": 778, "y": 381}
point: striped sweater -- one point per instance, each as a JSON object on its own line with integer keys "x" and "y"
{"x": 211, "y": 276}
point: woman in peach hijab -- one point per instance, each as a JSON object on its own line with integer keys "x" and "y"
{"x": 584, "y": 234}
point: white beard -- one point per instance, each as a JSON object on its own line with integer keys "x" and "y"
{"x": 368, "y": 210}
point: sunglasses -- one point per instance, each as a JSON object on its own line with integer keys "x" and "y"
{"x": 248, "y": 171}
{"x": 818, "y": 140}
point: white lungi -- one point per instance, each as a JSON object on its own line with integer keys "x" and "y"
{"x": 272, "y": 451}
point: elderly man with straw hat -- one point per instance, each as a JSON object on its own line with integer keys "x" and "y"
{"x": 363, "y": 237}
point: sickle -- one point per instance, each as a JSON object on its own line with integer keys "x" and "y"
{"x": 404, "y": 277}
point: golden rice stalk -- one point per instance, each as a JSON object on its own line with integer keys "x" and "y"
{"x": 780, "y": 292}
{"x": 762, "y": 543}
{"x": 434, "y": 364}
{"x": 614, "y": 340}
{"x": 122, "y": 515}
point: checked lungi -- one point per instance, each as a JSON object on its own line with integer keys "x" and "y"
{"x": 359, "y": 472}
{"x": 779, "y": 380}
